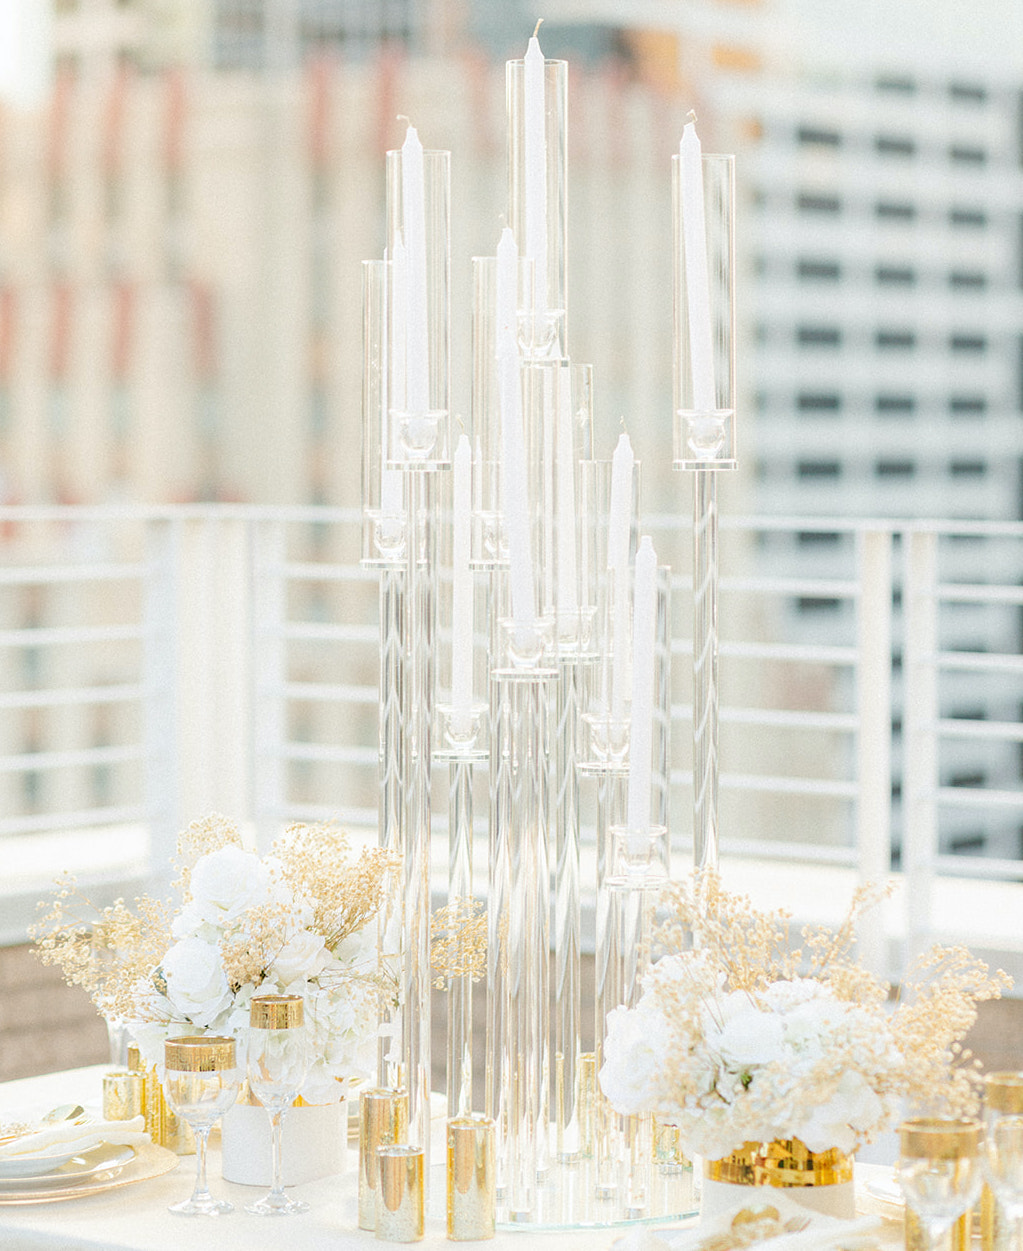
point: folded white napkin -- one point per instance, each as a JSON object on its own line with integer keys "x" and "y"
{"x": 62, "y": 1139}
{"x": 820, "y": 1233}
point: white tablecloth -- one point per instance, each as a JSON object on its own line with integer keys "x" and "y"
{"x": 135, "y": 1218}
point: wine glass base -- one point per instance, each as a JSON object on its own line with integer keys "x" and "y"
{"x": 276, "y": 1205}
{"x": 202, "y": 1207}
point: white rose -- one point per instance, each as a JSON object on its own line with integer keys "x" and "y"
{"x": 226, "y": 883}
{"x": 633, "y": 1058}
{"x": 853, "y": 1110}
{"x": 196, "y": 984}
{"x": 303, "y": 956}
{"x": 751, "y": 1039}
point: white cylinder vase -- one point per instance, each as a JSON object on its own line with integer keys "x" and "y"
{"x": 314, "y": 1143}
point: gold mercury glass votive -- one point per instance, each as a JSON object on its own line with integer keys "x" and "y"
{"x": 1003, "y": 1094}
{"x": 162, "y": 1123}
{"x": 383, "y": 1121}
{"x": 400, "y": 1193}
{"x": 122, "y": 1095}
{"x": 472, "y": 1168}
{"x": 922, "y": 1138}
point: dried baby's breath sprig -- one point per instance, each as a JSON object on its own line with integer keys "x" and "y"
{"x": 752, "y": 947}
{"x": 458, "y": 941}
{"x": 345, "y": 893}
{"x": 938, "y": 1008}
{"x": 106, "y": 950}
{"x": 198, "y": 839}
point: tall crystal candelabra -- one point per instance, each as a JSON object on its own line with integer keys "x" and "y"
{"x": 556, "y": 679}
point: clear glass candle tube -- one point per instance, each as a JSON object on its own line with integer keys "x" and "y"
{"x": 418, "y": 317}
{"x": 489, "y": 537}
{"x": 544, "y": 239}
{"x": 383, "y": 504}
{"x": 704, "y": 425}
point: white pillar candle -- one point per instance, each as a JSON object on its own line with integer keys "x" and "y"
{"x": 694, "y": 250}
{"x": 568, "y": 602}
{"x": 514, "y": 492}
{"x": 535, "y": 139}
{"x": 641, "y": 730}
{"x": 619, "y": 528}
{"x": 461, "y": 585}
{"x": 417, "y": 381}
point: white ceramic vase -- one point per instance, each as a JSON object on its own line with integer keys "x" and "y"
{"x": 314, "y": 1143}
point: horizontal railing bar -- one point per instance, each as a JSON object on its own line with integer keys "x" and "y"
{"x": 774, "y": 785}
{"x": 1007, "y": 731}
{"x": 979, "y": 866}
{"x": 798, "y": 653}
{"x": 46, "y": 821}
{"x": 977, "y": 797}
{"x": 317, "y": 632}
{"x": 333, "y": 755}
{"x": 770, "y": 850}
{"x": 52, "y": 636}
{"x": 819, "y": 588}
{"x": 31, "y": 574}
{"x": 325, "y": 692}
{"x": 70, "y": 696}
{"x": 37, "y": 760}
{"x": 310, "y": 571}
{"x": 979, "y": 593}
{"x": 977, "y": 662}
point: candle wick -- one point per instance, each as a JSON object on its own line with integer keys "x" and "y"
{"x": 536, "y": 28}
{"x": 461, "y": 423}
{"x": 403, "y": 118}
{"x": 691, "y": 114}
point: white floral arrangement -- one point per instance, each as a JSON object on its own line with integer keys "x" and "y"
{"x": 737, "y": 1038}
{"x": 302, "y": 920}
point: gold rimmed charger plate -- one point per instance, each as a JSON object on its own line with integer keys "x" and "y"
{"x": 106, "y": 1172}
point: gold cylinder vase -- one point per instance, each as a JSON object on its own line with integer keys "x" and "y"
{"x": 471, "y": 1175}
{"x": 383, "y": 1121}
{"x": 822, "y": 1180}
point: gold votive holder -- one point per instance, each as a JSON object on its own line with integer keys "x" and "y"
{"x": 667, "y": 1147}
{"x": 472, "y": 1171}
{"x": 122, "y": 1095}
{"x": 401, "y": 1198}
{"x": 162, "y": 1123}
{"x": 383, "y": 1121}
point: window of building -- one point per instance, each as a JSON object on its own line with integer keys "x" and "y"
{"x": 894, "y": 145}
{"x": 895, "y": 469}
{"x": 967, "y": 469}
{"x": 967, "y": 280}
{"x": 895, "y": 210}
{"x": 895, "y": 404}
{"x": 966, "y": 154}
{"x": 818, "y": 402}
{"x": 968, "y": 343}
{"x": 895, "y": 85}
{"x": 819, "y": 469}
{"x": 818, "y": 538}
{"x": 967, "y": 93}
{"x": 967, "y": 405}
{"x": 819, "y": 271}
{"x": 973, "y": 218}
{"x": 810, "y": 202}
{"x": 817, "y": 603}
{"x": 895, "y": 275}
{"x": 895, "y": 340}
{"x": 817, "y": 135}
{"x": 818, "y": 336}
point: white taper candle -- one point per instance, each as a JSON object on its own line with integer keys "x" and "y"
{"x": 641, "y": 728}
{"x": 694, "y": 245}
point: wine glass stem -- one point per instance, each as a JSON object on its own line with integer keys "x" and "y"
{"x": 276, "y": 1126}
{"x": 201, "y": 1189}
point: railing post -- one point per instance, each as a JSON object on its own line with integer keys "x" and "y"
{"x": 269, "y": 607}
{"x": 920, "y": 735}
{"x": 873, "y": 740}
{"x": 160, "y": 712}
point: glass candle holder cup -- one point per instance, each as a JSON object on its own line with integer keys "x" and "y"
{"x": 940, "y": 1172}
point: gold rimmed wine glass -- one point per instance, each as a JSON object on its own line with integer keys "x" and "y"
{"x": 201, "y": 1083}
{"x": 939, "y": 1171}
{"x": 278, "y": 1060}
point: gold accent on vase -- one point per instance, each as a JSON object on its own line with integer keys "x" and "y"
{"x": 472, "y": 1173}
{"x": 276, "y": 1012}
{"x": 957, "y": 1239}
{"x": 400, "y": 1193}
{"x": 784, "y": 1162}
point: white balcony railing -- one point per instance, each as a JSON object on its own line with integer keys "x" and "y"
{"x": 157, "y": 664}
